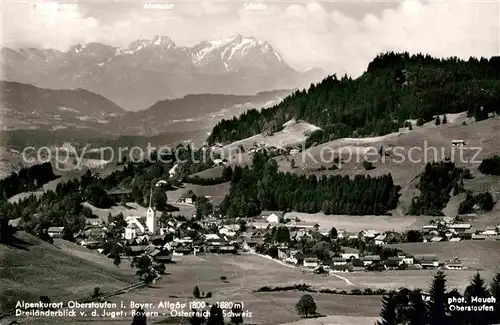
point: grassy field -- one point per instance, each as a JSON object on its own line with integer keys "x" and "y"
{"x": 477, "y": 254}
{"x": 358, "y": 223}
{"x": 35, "y": 268}
{"x": 246, "y": 273}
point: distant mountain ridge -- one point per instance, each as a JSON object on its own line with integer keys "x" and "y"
{"x": 25, "y": 106}
{"x": 149, "y": 70}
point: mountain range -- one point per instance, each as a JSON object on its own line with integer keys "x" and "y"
{"x": 149, "y": 70}
{"x": 24, "y": 106}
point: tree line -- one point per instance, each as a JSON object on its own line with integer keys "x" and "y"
{"x": 262, "y": 187}
{"x": 381, "y": 100}
{"x": 408, "y": 306}
{"x": 437, "y": 181}
{"x": 27, "y": 179}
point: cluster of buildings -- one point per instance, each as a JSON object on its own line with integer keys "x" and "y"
{"x": 353, "y": 261}
{"x": 450, "y": 229}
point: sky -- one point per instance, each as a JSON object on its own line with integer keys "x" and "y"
{"x": 339, "y": 37}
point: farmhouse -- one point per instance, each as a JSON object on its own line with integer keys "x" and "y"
{"x": 162, "y": 256}
{"x": 370, "y": 259}
{"x": 369, "y": 234}
{"x": 311, "y": 262}
{"x": 478, "y": 237}
{"x": 341, "y": 268}
{"x": 227, "y": 249}
{"x": 303, "y": 225}
{"x": 490, "y": 231}
{"x": 427, "y": 228}
{"x": 454, "y": 264}
{"x": 460, "y": 227}
{"x": 427, "y": 261}
{"x": 392, "y": 262}
{"x": 272, "y": 216}
{"x": 380, "y": 239}
{"x": 458, "y": 143}
{"x": 55, "y": 232}
{"x": 350, "y": 256}
{"x": 339, "y": 261}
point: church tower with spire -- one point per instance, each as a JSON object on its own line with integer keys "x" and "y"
{"x": 151, "y": 215}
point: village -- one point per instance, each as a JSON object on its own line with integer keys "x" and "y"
{"x": 167, "y": 239}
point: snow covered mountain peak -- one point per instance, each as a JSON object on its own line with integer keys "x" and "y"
{"x": 163, "y": 42}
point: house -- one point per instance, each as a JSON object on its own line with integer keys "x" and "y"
{"x": 427, "y": 228}
{"x": 408, "y": 260}
{"x": 341, "y": 268}
{"x": 436, "y": 239}
{"x": 181, "y": 250}
{"x": 162, "y": 256}
{"x": 294, "y": 151}
{"x": 311, "y": 262}
{"x": 380, "y": 239}
{"x": 448, "y": 220}
{"x": 460, "y": 227}
{"x": 339, "y": 261}
{"x": 369, "y": 234}
{"x": 212, "y": 237}
{"x": 294, "y": 257}
{"x": 369, "y": 259}
{"x": 161, "y": 182}
{"x": 478, "y": 237}
{"x": 227, "y": 249}
{"x": 227, "y": 231}
{"x": 261, "y": 225}
{"x": 272, "y": 216}
{"x": 458, "y": 143}
{"x": 173, "y": 171}
{"x": 220, "y": 162}
{"x": 490, "y": 231}
{"x": 303, "y": 225}
{"x": 392, "y": 262}
{"x": 350, "y": 256}
{"x": 454, "y": 264}
{"x": 455, "y": 239}
{"x": 55, "y": 232}
{"x": 427, "y": 261}
{"x": 283, "y": 252}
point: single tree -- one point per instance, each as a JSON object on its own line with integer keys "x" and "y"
{"x": 333, "y": 234}
{"x": 437, "y": 121}
{"x": 97, "y": 292}
{"x": 292, "y": 163}
{"x": 388, "y": 314}
{"x": 196, "y": 292}
{"x": 445, "y": 120}
{"x": 195, "y": 319}
{"x": 438, "y": 300}
{"x": 139, "y": 317}
{"x": 216, "y": 316}
{"x": 306, "y": 306}
{"x": 495, "y": 293}
{"x": 237, "y": 317}
{"x": 476, "y": 289}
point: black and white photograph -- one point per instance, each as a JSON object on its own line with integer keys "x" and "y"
{"x": 261, "y": 163}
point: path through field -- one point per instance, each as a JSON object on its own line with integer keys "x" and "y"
{"x": 288, "y": 265}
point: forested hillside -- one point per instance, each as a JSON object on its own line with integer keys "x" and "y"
{"x": 262, "y": 187}
{"x": 395, "y": 88}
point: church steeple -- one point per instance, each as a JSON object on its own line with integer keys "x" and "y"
{"x": 150, "y": 196}
{"x": 151, "y": 214}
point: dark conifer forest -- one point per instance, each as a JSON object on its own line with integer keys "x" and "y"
{"x": 262, "y": 187}
{"x": 395, "y": 87}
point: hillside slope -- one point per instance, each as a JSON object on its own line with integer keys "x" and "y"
{"x": 35, "y": 268}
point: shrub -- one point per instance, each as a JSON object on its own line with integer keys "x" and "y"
{"x": 209, "y": 294}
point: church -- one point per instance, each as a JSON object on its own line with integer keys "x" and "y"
{"x": 140, "y": 227}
